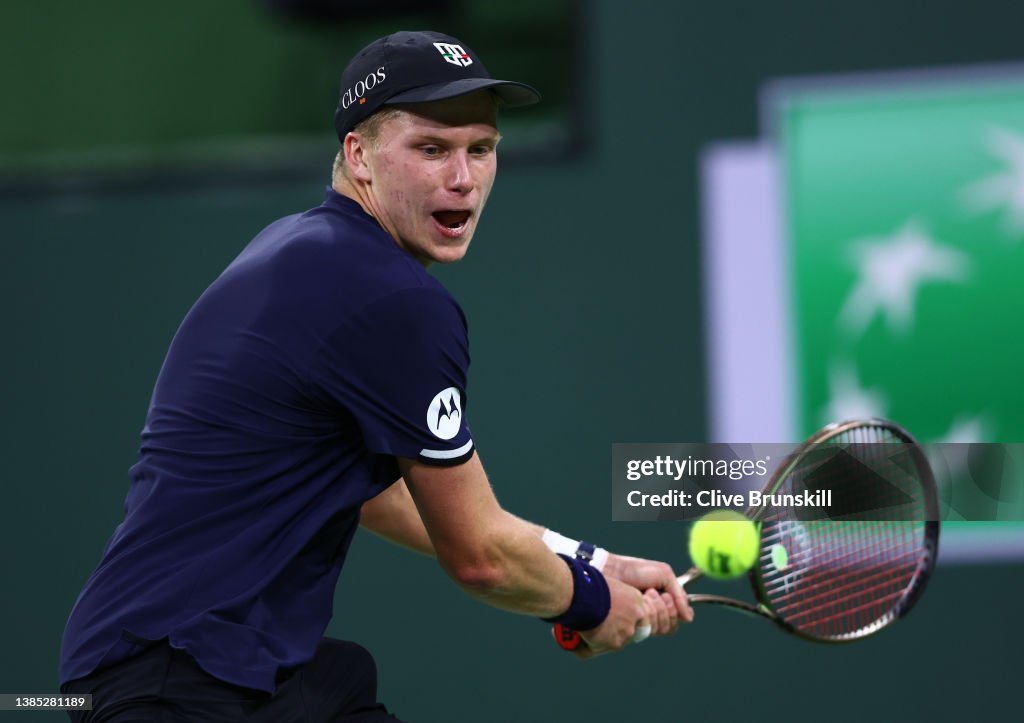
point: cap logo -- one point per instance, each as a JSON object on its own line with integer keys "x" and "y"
{"x": 356, "y": 92}
{"x": 453, "y": 54}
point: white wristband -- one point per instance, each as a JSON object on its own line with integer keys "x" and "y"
{"x": 562, "y": 545}
{"x": 600, "y": 558}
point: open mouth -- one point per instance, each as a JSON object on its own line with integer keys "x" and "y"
{"x": 452, "y": 220}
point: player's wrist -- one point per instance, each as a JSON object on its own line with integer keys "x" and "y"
{"x": 596, "y": 557}
{"x": 613, "y": 565}
{"x": 591, "y": 598}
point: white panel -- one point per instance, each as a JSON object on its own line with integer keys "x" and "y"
{"x": 746, "y": 285}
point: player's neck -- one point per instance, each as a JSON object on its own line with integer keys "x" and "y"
{"x": 360, "y": 193}
{"x": 345, "y": 187}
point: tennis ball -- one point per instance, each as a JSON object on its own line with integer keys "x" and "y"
{"x": 724, "y": 544}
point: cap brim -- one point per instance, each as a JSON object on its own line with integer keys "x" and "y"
{"x": 510, "y": 93}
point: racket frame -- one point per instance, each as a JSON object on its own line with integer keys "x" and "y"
{"x": 571, "y": 640}
{"x": 911, "y": 593}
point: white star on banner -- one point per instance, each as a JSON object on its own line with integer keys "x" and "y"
{"x": 891, "y": 269}
{"x": 966, "y": 429}
{"x": 848, "y": 399}
{"x": 1003, "y": 189}
{"x": 950, "y": 458}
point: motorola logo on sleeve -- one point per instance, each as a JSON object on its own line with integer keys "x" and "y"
{"x": 444, "y": 415}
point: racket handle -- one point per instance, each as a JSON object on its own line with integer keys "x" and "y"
{"x": 569, "y": 639}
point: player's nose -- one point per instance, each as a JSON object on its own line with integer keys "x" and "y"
{"x": 457, "y": 174}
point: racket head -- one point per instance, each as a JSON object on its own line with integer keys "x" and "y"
{"x": 845, "y": 577}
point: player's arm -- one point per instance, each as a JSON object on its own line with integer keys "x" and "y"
{"x": 656, "y": 580}
{"x": 393, "y": 515}
{"x": 645, "y": 575}
{"x": 499, "y": 559}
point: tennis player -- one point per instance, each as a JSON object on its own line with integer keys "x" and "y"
{"x": 319, "y": 383}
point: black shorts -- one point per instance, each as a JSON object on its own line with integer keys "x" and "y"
{"x": 164, "y": 685}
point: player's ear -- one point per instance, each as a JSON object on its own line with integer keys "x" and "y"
{"x": 356, "y": 149}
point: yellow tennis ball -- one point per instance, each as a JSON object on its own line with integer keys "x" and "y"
{"x": 724, "y": 544}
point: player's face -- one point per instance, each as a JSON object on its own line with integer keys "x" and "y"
{"x": 431, "y": 172}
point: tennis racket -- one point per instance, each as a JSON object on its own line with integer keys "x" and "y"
{"x": 847, "y": 576}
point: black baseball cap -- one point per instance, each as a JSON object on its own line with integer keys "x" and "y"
{"x": 416, "y": 67}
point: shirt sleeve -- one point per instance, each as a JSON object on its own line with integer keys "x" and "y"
{"x": 400, "y": 367}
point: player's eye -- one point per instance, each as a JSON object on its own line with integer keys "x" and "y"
{"x": 431, "y": 151}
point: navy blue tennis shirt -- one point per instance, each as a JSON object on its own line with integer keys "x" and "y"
{"x": 322, "y": 353}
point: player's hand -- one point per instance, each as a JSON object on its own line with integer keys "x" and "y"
{"x": 661, "y": 611}
{"x": 651, "y": 575}
{"x": 629, "y": 610}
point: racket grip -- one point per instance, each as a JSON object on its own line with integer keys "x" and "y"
{"x": 569, "y": 639}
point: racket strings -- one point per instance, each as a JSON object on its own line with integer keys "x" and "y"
{"x": 824, "y": 596}
{"x": 887, "y": 559}
{"x": 827, "y": 596}
{"x": 838, "y": 577}
{"x": 822, "y": 585}
{"x": 846, "y": 611}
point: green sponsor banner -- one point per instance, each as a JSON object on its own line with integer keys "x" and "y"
{"x": 905, "y": 212}
{"x": 906, "y": 219}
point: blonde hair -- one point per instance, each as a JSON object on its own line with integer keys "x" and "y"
{"x": 369, "y": 129}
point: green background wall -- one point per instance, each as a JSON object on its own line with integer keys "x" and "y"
{"x": 582, "y": 291}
